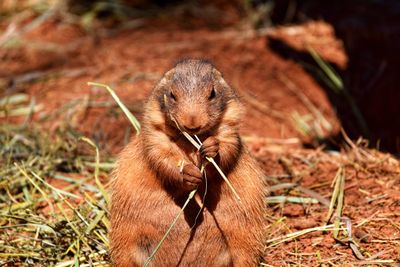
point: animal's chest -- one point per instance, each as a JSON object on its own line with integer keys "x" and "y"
{"x": 187, "y": 151}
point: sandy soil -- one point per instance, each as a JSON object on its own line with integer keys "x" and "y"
{"x": 58, "y": 60}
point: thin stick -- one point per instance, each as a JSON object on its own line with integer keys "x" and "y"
{"x": 150, "y": 258}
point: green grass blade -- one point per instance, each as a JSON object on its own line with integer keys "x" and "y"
{"x": 328, "y": 70}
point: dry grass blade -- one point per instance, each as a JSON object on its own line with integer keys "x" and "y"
{"x": 19, "y": 111}
{"x": 56, "y": 190}
{"x": 306, "y": 125}
{"x": 278, "y": 240}
{"x": 102, "y": 165}
{"x": 96, "y": 220}
{"x": 46, "y": 197}
{"x": 197, "y": 145}
{"x": 337, "y": 199}
{"x": 335, "y": 194}
{"x": 283, "y": 199}
{"x": 96, "y": 172}
{"x": 224, "y": 177}
{"x": 135, "y": 123}
{"x": 306, "y": 102}
{"x": 309, "y": 192}
{"x": 150, "y": 258}
{"x": 219, "y": 170}
{"x": 13, "y": 99}
{"x": 39, "y": 224}
{"x": 190, "y": 196}
{"x": 340, "y": 201}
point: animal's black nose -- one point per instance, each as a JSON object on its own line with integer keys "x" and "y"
{"x": 193, "y": 129}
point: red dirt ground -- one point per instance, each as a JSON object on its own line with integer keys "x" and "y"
{"x": 272, "y": 88}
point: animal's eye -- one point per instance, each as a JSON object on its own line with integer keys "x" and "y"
{"x": 212, "y": 94}
{"x": 172, "y": 96}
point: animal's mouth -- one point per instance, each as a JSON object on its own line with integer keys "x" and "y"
{"x": 190, "y": 130}
{"x": 193, "y": 131}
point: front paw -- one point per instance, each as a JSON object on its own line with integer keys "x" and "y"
{"x": 191, "y": 176}
{"x": 210, "y": 147}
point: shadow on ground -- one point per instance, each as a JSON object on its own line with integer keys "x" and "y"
{"x": 370, "y": 33}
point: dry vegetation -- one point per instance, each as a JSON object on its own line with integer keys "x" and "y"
{"x": 326, "y": 208}
{"x": 52, "y": 212}
{"x": 54, "y": 206}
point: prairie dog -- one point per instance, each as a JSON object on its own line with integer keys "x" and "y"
{"x": 150, "y": 186}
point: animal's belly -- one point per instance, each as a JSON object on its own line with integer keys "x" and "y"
{"x": 195, "y": 240}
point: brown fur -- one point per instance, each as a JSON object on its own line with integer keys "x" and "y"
{"x": 149, "y": 189}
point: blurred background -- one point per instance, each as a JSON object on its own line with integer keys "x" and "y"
{"x": 319, "y": 80}
{"x": 305, "y": 69}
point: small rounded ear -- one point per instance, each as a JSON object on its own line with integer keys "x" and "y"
{"x": 234, "y": 108}
{"x": 165, "y": 79}
{"x": 168, "y": 75}
{"x": 230, "y": 92}
{"x": 218, "y": 77}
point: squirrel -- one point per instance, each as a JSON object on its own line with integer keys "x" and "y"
{"x": 158, "y": 169}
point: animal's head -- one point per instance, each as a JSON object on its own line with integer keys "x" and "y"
{"x": 194, "y": 96}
